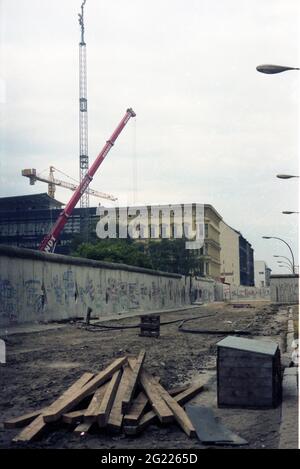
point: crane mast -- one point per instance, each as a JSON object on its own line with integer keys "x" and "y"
{"x": 49, "y": 242}
{"x": 83, "y": 111}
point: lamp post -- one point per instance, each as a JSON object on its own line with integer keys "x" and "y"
{"x": 285, "y": 264}
{"x": 272, "y": 69}
{"x": 284, "y": 257}
{"x": 280, "y": 239}
{"x": 286, "y": 176}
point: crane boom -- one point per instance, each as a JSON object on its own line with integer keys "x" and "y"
{"x": 49, "y": 242}
{"x": 33, "y": 176}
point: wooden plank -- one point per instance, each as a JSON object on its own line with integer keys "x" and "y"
{"x": 150, "y": 416}
{"x": 33, "y": 430}
{"x": 178, "y": 389}
{"x": 83, "y": 428}
{"x": 73, "y": 417}
{"x": 22, "y": 420}
{"x": 191, "y": 392}
{"x": 70, "y": 398}
{"x": 92, "y": 411}
{"x": 161, "y": 409}
{"x": 145, "y": 420}
{"x": 108, "y": 399}
{"x": 115, "y": 420}
{"x": 179, "y": 414}
{"x": 133, "y": 380}
{"x": 37, "y": 426}
{"x": 136, "y": 410}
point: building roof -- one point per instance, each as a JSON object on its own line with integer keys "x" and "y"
{"x": 28, "y": 202}
{"x": 249, "y": 345}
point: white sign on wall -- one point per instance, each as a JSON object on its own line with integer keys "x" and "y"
{"x": 2, "y": 351}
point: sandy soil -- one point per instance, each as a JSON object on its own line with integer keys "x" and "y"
{"x": 40, "y": 366}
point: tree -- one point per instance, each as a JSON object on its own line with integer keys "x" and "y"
{"x": 172, "y": 256}
{"x": 123, "y": 251}
{"x": 165, "y": 255}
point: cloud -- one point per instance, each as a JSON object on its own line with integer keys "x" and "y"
{"x": 209, "y": 128}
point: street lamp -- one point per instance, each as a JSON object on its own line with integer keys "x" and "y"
{"x": 286, "y": 212}
{"x": 286, "y": 176}
{"x": 280, "y": 239}
{"x": 284, "y": 257}
{"x": 272, "y": 69}
{"x": 285, "y": 264}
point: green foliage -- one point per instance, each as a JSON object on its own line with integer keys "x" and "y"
{"x": 115, "y": 250}
{"x": 172, "y": 256}
{"x": 166, "y": 255}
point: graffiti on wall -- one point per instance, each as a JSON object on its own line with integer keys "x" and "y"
{"x": 285, "y": 290}
{"x": 8, "y": 296}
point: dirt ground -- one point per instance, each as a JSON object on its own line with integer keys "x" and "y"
{"x": 40, "y": 366}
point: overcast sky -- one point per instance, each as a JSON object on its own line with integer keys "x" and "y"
{"x": 209, "y": 127}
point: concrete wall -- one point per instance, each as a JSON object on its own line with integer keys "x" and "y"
{"x": 240, "y": 293}
{"x": 42, "y": 287}
{"x": 37, "y": 286}
{"x": 203, "y": 290}
{"x": 284, "y": 288}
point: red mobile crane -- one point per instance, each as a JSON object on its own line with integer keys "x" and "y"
{"x": 49, "y": 242}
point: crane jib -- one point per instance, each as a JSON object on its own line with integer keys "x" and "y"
{"x": 49, "y": 242}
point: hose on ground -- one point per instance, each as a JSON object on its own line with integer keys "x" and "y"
{"x": 210, "y": 331}
{"x": 102, "y": 328}
{"x": 99, "y": 327}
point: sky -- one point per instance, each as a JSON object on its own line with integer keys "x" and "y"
{"x": 209, "y": 128}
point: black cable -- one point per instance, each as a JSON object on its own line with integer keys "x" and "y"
{"x": 136, "y": 326}
{"x": 102, "y": 327}
{"x": 208, "y": 331}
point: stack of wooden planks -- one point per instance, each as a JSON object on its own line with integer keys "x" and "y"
{"x": 122, "y": 397}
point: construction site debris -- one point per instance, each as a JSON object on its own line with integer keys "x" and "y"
{"x": 123, "y": 396}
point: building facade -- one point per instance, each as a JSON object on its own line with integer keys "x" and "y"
{"x": 25, "y": 220}
{"x": 246, "y": 262}
{"x": 261, "y": 274}
{"x": 209, "y": 254}
{"x": 230, "y": 254}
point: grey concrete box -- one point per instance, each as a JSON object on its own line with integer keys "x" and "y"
{"x": 248, "y": 373}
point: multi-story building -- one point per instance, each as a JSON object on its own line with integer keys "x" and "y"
{"x": 212, "y": 247}
{"x": 209, "y": 254}
{"x": 230, "y": 254}
{"x": 261, "y": 274}
{"x": 25, "y": 220}
{"x": 246, "y": 262}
